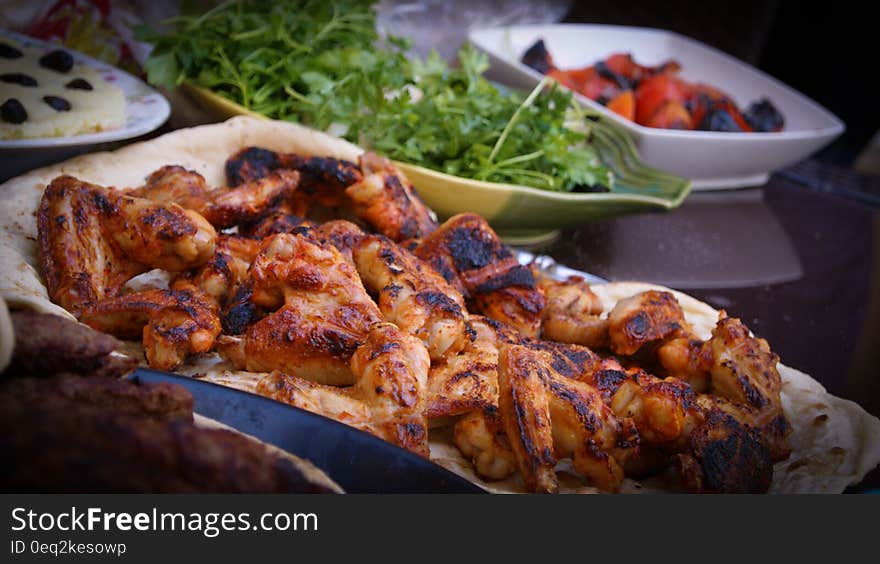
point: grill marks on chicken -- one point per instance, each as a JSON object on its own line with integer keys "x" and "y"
{"x": 467, "y": 380}
{"x": 93, "y": 240}
{"x": 321, "y": 312}
{"x": 374, "y": 190}
{"x": 392, "y": 321}
{"x": 547, "y": 416}
{"x": 412, "y": 295}
{"x": 387, "y": 201}
{"x": 388, "y": 397}
{"x": 173, "y": 324}
{"x": 471, "y": 257}
{"x": 222, "y": 207}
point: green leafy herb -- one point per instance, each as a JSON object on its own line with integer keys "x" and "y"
{"x": 323, "y": 63}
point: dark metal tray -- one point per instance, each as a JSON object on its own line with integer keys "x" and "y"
{"x": 357, "y": 461}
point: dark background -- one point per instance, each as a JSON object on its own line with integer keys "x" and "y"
{"x": 822, "y": 49}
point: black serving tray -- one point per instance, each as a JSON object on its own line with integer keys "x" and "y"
{"x": 357, "y": 461}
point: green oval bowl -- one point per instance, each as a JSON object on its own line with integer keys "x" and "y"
{"x": 522, "y": 214}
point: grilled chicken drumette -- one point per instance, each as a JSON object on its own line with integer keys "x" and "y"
{"x": 472, "y": 258}
{"x": 320, "y": 314}
{"x": 222, "y": 207}
{"x": 93, "y": 240}
{"x": 388, "y": 396}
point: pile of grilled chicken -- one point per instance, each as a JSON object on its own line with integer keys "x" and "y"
{"x": 393, "y": 324}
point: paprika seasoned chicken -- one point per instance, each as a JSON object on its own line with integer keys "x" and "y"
{"x": 412, "y": 295}
{"x": 472, "y": 258}
{"x": 320, "y": 314}
{"x": 331, "y": 281}
{"x": 387, "y": 398}
{"x": 173, "y": 324}
{"x": 93, "y": 240}
{"x": 222, "y": 207}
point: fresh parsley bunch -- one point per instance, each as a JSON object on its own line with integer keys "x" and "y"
{"x": 323, "y": 63}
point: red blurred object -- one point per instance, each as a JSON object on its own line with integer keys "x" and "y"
{"x": 624, "y": 104}
{"x": 99, "y": 28}
{"x": 655, "y": 91}
{"x": 656, "y": 96}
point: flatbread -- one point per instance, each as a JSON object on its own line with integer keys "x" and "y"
{"x": 835, "y": 442}
{"x": 7, "y": 336}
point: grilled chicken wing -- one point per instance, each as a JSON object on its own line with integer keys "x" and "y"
{"x": 93, "y": 240}
{"x": 412, "y": 295}
{"x": 322, "y": 312}
{"x": 645, "y": 318}
{"x": 173, "y": 323}
{"x": 322, "y": 180}
{"x": 387, "y": 399}
{"x": 480, "y": 437}
{"x": 713, "y": 448}
{"x": 342, "y": 234}
{"x": 159, "y": 235}
{"x": 546, "y": 416}
{"x": 743, "y": 371}
{"x": 173, "y": 183}
{"x": 222, "y": 207}
{"x": 224, "y": 272}
{"x": 735, "y": 368}
{"x": 467, "y": 380}
{"x": 386, "y": 200}
{"x": 276, "y": 221}
{"x": 572, "y": 313}
{"x": 471, "y": 257}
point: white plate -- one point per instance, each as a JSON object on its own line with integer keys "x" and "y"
{"x": 710, "y": 159}
{"x": 145, "y": 108}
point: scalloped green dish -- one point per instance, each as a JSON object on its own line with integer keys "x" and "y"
{"x": 522, "y": 214}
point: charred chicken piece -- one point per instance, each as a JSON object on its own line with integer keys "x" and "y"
{"x": 224, "y": 272}
{"x": 340, "y": 233}
{"x": 547, "y": 416}
{"x": 386, "y": 200}
{"x": 471, "y": 257}
{"x": 713, "y": 450}
{"x": 645, "y": 318}
{"x": 412, "y": 295}
{"x": 321, "y": 315}
{"x": 572, "y": 313}
{"x": 388, "y": 398}
{"x": 222, "y": 207}
{"x": 277, "y": 221}
{"x": 174, "y": 324}
{"x": 468, "y": 380}
{"x": 323, "y": 180}
{"x": 93, "y": 240}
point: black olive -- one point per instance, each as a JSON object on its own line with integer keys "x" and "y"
{"x": 718, "y": 119}
{"x": 12, "y": 111}
{"x": 79, "y": 84}
{"x": 18, "y": 78}
{"x": 57, "y": 60}
{"x": 7, "y": 51}
{"x": 57, "y": 104}
{"x": 538, "y": 57}
{"x": 763, "y": 116}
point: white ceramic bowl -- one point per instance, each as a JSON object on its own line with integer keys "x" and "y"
{"x": 710, "y": 159}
